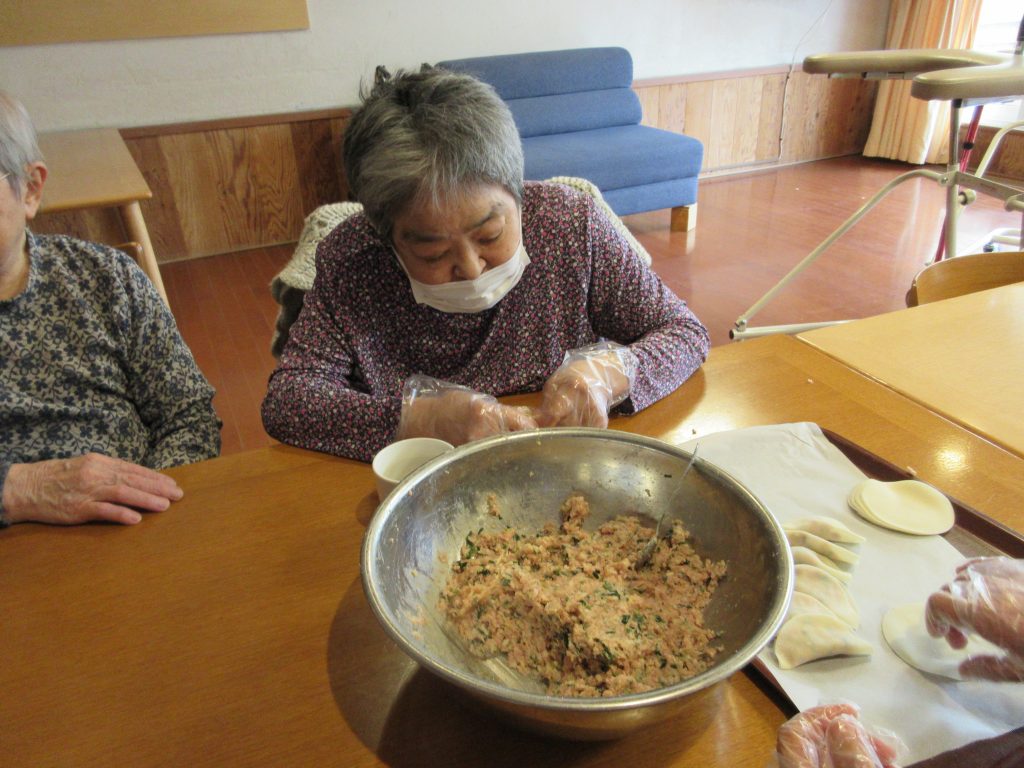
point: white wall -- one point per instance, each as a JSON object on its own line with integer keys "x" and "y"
{"x": 146, "y": 82}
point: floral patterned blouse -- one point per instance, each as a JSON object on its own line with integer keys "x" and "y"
{"x": 338, "y": 385}
{"x": 91, "y": 361}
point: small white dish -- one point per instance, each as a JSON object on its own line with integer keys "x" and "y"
{"x": 394, "y": 462}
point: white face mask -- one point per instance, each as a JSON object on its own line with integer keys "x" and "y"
{"x": 467, "y": 296}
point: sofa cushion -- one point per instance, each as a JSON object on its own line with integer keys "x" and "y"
{"x": 583, "y": 111}
{"x": 651, "y": 197}
{"x": 545, "y": 73}
{"x": 624, "y": 156}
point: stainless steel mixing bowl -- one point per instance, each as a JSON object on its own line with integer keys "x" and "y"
{"x": 416, "y": 534}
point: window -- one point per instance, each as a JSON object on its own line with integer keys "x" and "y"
{"x": 997, "y": 32}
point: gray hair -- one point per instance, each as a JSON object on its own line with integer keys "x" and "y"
{"x": 18, "y": 145}
{"x": 428, "y": 135}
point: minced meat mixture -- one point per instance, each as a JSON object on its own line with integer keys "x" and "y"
{"x": 569, "y": 607}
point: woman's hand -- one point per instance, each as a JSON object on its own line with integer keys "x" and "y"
{"x": 832, "y": 737}
{"x": 456, "y": 414}
{"x": 85, "y": 488}
{"x": 586, "y": 386}
{"x": 986, "y": 597}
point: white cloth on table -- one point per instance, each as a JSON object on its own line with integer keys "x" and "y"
{"x": 797, "y": 472}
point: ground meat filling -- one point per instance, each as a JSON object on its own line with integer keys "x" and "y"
{"x": 569, "y": 607}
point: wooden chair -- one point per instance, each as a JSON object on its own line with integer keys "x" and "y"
{"x": 133, "y": 249}
{"x": 966, "y": 274}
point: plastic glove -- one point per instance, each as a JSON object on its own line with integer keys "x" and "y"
{"x": 833, "y": 736}
{"x": 986, "y": 597}
{"x": 587, "y": 385}
{"x": 435, "y": 408}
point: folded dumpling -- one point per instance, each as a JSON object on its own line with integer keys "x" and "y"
{"x": 801, "y": 604}
{"x": 827, "y": 589}
{"x": 805, "y": 556}
{"x": 822, "y": 546}
{"x": 816, "y": 636}
{"x": 827, "y": 528}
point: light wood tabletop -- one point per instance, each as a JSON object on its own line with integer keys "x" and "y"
{"x": 961, "y": 357}
{"x": 94, "y": 169}
{"x": 233, "y": 628}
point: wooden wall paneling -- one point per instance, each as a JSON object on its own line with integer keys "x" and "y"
{"x": 748, "y": 110}
{"x": 697, "y": 115}
{"x": 650, "y": 106}
{"x": 100, "y": 225}
{"x": 725, "y": 107}
{"x": 163, "y": 218}
{"x": 316, "y": 145}
{"x": 672, "y": 107}
{"x": 804, "y": 92}
{"x": 769, "y": 126}
{"x": 231, "y": 185}
{"x": 826, "y": 117}
{"x": 276, "y": 210}
{"x": 233, "y": 189}
{"x": 226, "y": 186}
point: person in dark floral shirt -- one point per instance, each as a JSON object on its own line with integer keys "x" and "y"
{"x": 458, "y": 284}
{"x": 97, "y": 388}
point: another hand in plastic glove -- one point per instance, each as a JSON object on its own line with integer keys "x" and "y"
{"x": 587, "y": 385}
{"x": 986, "y": 597}
{"x": 456, "y": 414}
{"x": 833, "y": 736}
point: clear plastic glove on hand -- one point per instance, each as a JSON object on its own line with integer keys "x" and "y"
{"x": 986, "y": 597}
{"x": 435, "y": 408}
{"x": 833, "y": 736}
{"x": 587, "y": 385}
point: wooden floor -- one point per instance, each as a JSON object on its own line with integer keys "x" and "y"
{"x": 750, "y": 231}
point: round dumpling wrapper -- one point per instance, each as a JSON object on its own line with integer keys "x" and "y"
{"x": 903, "y": 628}
{"x": 908, "y": 506}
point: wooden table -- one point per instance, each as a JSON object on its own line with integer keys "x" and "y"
{"x": 94, "y": 169}
{"x": 962, "y": 357}
{"x": 233, "y": 629}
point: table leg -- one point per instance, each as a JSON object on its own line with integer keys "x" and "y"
{"x": 131, "y": 215}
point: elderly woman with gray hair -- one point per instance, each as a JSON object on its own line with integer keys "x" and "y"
{"x": 460, "y": 283}
{"x": 97, "y": 388}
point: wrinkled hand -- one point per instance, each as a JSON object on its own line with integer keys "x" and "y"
{"x": 85, "y": 488}
{"x": 456, "y": 414}
{"x": 586, "y": 386}
{"x": 986, "y": 597}
{"x": 832, "y": 737}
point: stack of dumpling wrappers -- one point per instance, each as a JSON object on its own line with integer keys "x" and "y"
{"x": 822, "y": 618}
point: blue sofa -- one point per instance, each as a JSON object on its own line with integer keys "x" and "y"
{"x": 578, "y": 116}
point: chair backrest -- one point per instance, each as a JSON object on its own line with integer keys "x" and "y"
{"x": 966, "y": 274}
{"x": 551, "y": 92}
{"x": 133, "y": 249}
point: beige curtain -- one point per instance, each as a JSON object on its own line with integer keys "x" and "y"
{"x": 905, "y": 128}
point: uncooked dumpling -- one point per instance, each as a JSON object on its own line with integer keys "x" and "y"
{"x": 805, "y": 556}
{"x": 827, "y": 528}
{"x": 822, "y": 547}
{"x": 827, "y": 589}
{"x": 802, "y": 603}
{"x": 816, "y": 636}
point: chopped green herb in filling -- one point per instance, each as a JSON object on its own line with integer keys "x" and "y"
{"x": 569, "y": 607}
